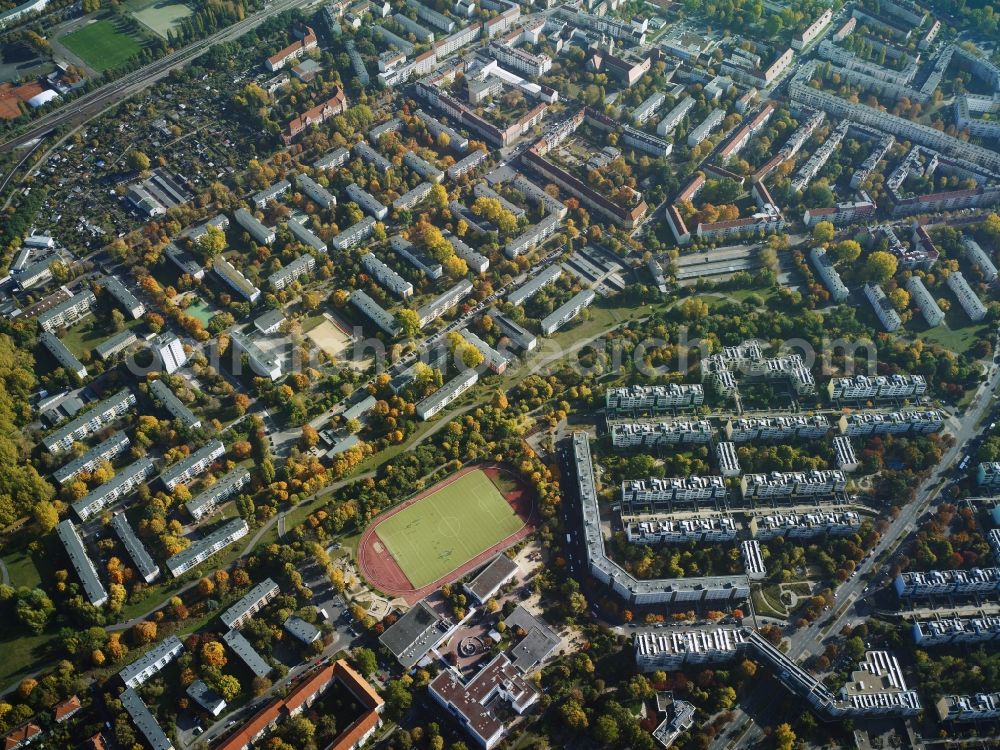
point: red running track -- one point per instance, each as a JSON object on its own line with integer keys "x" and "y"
{"x": 382, "y": 571}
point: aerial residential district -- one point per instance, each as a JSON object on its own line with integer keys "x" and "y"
{"x": 474, "y": 374}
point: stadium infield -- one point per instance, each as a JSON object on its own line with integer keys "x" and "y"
{"x": 103, "y": 44}
{"x": 444, "y": 532}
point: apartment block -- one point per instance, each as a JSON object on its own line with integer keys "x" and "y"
{"x": 386, "y": 276}
{"x": 354, "y": 234}
{"x": 653, "y": 399}
{"x": 729, "y": 463}
{"x": 372, "y": 310}
{"x": 815, "y": 483}
{"x": 93, "y": 589}
{"x": 101, "y": 415}
{"x": 292, "y": 272}
{"x": 753, "y": 560}
{"x": 654, "y": 495}
{"x": 446, "y": 394}
{"x": 249, "y": 604}
{"x": 148, "y": 569}
{"x": 967, "y": 298}
{"x": 657, "y": 530}
{"x": 207, "y": 546}
{"x": 881, "y": 387}
{"x": 255, "y": 228}
{"x": 805, "y": 524}
{"x": 147, "y": 665}
{"x": 655, "y": 434}
{"x": 66, "y": 359}
{"x": 195, "y": 464}
{"x": 672, "y": 650}
{"x": 117, "y": 487}
{"x": 265, "y": 364}
{"x": 941, "y": 631}
{"x": 844, "y": 454}
{"x": 65, "y": 314}
{"x": 938, "y": 582}
{"x": 925, "y": 302}
{"x": 235, "y": 279}
{"x": 173, "y": 405}
{"x": 106, "y": 450}
{"x": 205, "y": 502}
{"x": 123, "y": 296}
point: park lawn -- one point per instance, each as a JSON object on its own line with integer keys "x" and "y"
{"x": 449, "y": 527}
{"x": 102, "y": 44}
{"x": 957, "y": 334}
{"x": 90, "y": 332}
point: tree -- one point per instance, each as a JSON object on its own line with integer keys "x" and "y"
{"x": 206, "y": 586}
{"x": 117, "y": 320}
{"x": 409, "y": 322}
{"x": 311, "y": 300}
{"x": 213, "y": 242}
{"x": 823, "y": 231}
{"x": 399, "y": 697}
{"x": 46, "y": 516}
{"x": 353, "y": 425}
{"x": 310, "y": 436}
{"x": 784, "y": 737}
{"x": 213, "y": 654}
{"x": 143, "y": 632}
{"x": 228, "y": 687}
{"x": 899, "y": 298}
{"x": 137, "y": 161}
{"x": 364, "y": 659}
{"x": 880, "y": 267}
{"x": 846, "y": 251}
{"x": 606, "y": 730}
{"x": 574, "y": 716}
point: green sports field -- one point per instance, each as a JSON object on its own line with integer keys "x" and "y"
{"x": 101, "y": 45}
{"x": 449, "y": 527}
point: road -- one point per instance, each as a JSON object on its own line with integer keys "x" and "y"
{"x": 808, "y": 641}
{"x": 93, "y": 103}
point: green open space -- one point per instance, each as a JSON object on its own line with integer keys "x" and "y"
{"x": 201, "y": 310}
{"x": 90, "y": 332}
{"x": 957, "y": 333}
{"x": 103, "y": 44}
{"x": 449, "y": 527}
{"x": 160, "y": 16}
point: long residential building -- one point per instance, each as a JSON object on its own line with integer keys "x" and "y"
{"x": 665, "y": 530}
{"x": 942, "y": 582}
{"x": 315, "y": 192}
{"x": 925, "y": 302}
{"x": 299, "y": 267}
{"x": 123, "y": 295}
{"x": 66, "y": 313}
{"x": 863, "y": 424}
{"x": 793, "y": 484}
{"x": 967, "y": 298}
{"x": 495, "y": 360}
{"x": 249, "y": 604}
{"x": 306, "y": 236}
{"x": 118, "y": 486}
{"x": 144, "y": 721}
{"x": 205, "y": 502}
{"x": 941, "y": 631}
{"x": 446, "y": 394}
{"x": 101, "y": 415}
{"x": 114, "y": 345}
{"x": 204, "y": 548}
{"x": 530, "y": 288}
{"x": 675, "y": 116}
{"x": 148, "y": 569}
{"x": 173, "y": 405}
{"x": 106, "y": 450}
{"x": 147, "y": 665}
{"x": 61, "y": 354}
{"x": 264, "y": 363}
{"x": 606, "y": 570}
{"x": 520, "y": 336}
{"x": 444, "y": 302}
{"x": 979, "y": 258}
{"x": 190, "y": 467}
{"x": 828, "y": 274}
{"x": 255, "y": 228}
{"x": 878, "y": 388}
{"x": 386, "y": 276}
{"x": 653, "y": 399}
{"x": 657, "y": 496}
{"x": 93, "y": 589}
{"x": 969, "y": 708}
{"x": 247, "y": 653}
{"x": 354, "y": 234}
{"x": 375, "y": 312}
{"x": 235, "y": 279}
{"x": 655, "y": 434}
{"x": 567, "y": 311}
{"x": 775, "y": 429}
{"x": 367, "y": 202}
{"x": 805, "y": 524}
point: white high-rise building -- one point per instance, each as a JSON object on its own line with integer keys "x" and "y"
{"x": 170, "y": 352}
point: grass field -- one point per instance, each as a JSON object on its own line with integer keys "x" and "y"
{"x": 437, "y": 534}
{"x": 162, "y": 16}
{"x": 101, "y": 44}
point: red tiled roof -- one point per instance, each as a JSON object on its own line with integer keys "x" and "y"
{"x": 21, "y": 735}
{"x": 67, "y": 708}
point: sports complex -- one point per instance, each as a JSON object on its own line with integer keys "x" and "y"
{"x": 445, "y": 531}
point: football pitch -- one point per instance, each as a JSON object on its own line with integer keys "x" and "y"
{"x": 449, "y": 527}
{"x": 101, "y": 45}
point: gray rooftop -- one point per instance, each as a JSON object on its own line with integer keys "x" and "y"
{"x": 413, "y": 634}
